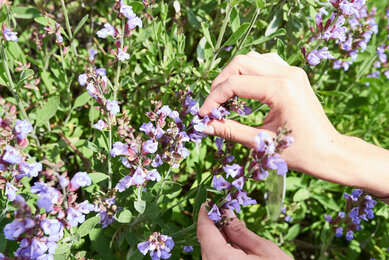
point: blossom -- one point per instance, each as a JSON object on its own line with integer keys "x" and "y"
{"x": 108, "y": 30}
{"x": 22, "y": 128}
{"x": 139, "y": 176}
{"x": 219, "y": 113}
{"x": 214, "y": 213}
{"x": 59, "y": 37}
{"x": 8, "y": 35}
{"x": 80, "y": 179}
{"x": 122, "y": 55}
{"x": 219, "y": 183}
{"x": 150, "y": 146}
{"x": 244, "y": 200}
{"x": 74, "y": 217}
{"x": 316, "y": 56}
{"x": 158, "y": 245}
{"x": 100, "y": 125}
{"x": 349, "y": 235}
{"x": 82, "y": 79}
{"x": 238, "y": 183}
{"x": 153, "y": 175}
{"x": 92, "y": 90}
{"x": 12, "y": 155}
{"x": 157, "y": 161}
{"x": 276, "y": 163}
{"x": 188, "y": 249}
{"x": 53, "y": 228}
{"x": 14, "y": 229}
{"x": 133, "y": 22}
{"x": 10, "y": 191}
{"x": 124, "y": 183}
{"x": 112, "y": 107}
{"x": 339, "y": 232}
{"x": 92, "y": 54}
{"x": 231, "y": 203}
{"x": 126, "y": 10}
{"x": 119, "y": 149}
{"x": 233, "y": 170}
{"x": 29, "y": 169}
{"x": 264, "y": 143}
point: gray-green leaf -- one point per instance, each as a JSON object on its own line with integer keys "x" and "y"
{"x": 140, "y": 206}
{"x": 48, "y": 110}
{"x": 81, "y": 100}
{"x": 87, "y": 226}
{"x": 123, "y": 216}
{"x": 234, "y": 38}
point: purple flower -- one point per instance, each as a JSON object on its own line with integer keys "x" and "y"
{"x": 260, "y": 175}
{"x": 233, "y": 170}
{"x": 10, "y": 191}
{"x": 80, "y": 179}
{"x": 214, "y": 213}
{"x": 150, "y": 146}
{"x": 219, "y": 143}
{"x": 219, "y": 113}
{"x": 12, "y": 155}
{"x": 219, "y": 183}
{"x": 82, "y": 79}
{"x": 14, "y": 229}
{"x": 153, "y": 175}
{"x": 29, "y": 169}
{"x": 288, "y": 218}
{"x": 341, "y": 214}
{"x": 148, "y": 128}
{"x": 8, "y": 34}
{"x": 327, "y": 218}
{"x": 108, "y": 30}
{"x": 386, "y": 73}
{"x": 264, "y": 143}
{"x": 122, "y": 56}
{"x": 126, "y": 11}
{"x": 92, "y": 90}
{"x": 175, "y": 116}
{"x": 92, "y": 54}
{"x": 101, "y": 72}
{"x": 158, "y": 245}
{"x": 139, "y": 176}
{"x": 200, "y": 124}
{"x": 59, "y": 38}
{"x": 244, "y": 200}
{"x": 105, "y": 219}
{"x": 188, "y": 249}
{"x": 238, "y": 183}
{"x": 123, "y": 184}
{"x": 337, "y": 31}
{"x": 133, "y": 22}
{"x": 63, "y": 181}
{"x": 339, "y": 232}
{"x": 277, "y": 163}
{"x": 349, "y": 235}
{"x": 119, "y": 149}
{"x": 85, "y": 207}
{"x": 53, "y": 228}
{"x": 112, "y": 107}
{"x": 157, "y": 161}
{"x": 22, "y": 128}
{"x": 74, "y": 217}
{"x": 45, "y": 202}
{"x": 231, "y": 204}
{"x": 315, "y": 56}
{"x": 100, "y": 125}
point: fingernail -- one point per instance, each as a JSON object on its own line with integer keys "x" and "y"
{"x": 209, "y": 130}
{"x": 229, "y": 213}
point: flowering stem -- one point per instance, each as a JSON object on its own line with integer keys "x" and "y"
{"x": 219, "y": 40}
{"x": 163, "y": 183}
{"x": 11, "y": 88}
{"x": 65, "y": 12}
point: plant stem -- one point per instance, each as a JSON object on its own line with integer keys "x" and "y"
{"x": 163, "y": 183}
{"x": 11, "y": 88}
{"x": 219, "y": 40}
{"x": 65, "y": 12}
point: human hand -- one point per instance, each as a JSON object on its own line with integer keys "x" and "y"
{"x": 287, "y": 91}
{"x": 245, "y": 244}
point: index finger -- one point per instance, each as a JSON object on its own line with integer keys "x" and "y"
{"x": 210, "y": 238}
{"x": 249, "y": 65}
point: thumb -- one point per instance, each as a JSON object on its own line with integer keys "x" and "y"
{"x": 234, "y": 131}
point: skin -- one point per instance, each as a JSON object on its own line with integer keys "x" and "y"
{"x": 318, "y": 149}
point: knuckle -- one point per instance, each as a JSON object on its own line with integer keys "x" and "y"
{"x": 298, "y": 73}
{"x": 238, "y": 59}
{"x": 253, "y": 53}
{"x": 237, "y": 226}
{"x": 226, "y": 132}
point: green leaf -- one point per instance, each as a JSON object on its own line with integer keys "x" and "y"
{"x": 274, "y": 23}
{"x": 292, "y": 232}
{"x": 45, "y": 21}
{"x": 140, "y": 206}
{"x": 3, "y": 242}
{"x": 137, "y": 6}
{"x": 3, "y": 14}
{"x": 260, "y": 3}
{"x": 326, "y": 201}
{"x": 123, "y": 216}
{"x": 63, "y": 248}
{"x": 205, "y": 28}
{"x": 48, "y": 110}
{"x": 301, "y": 194}
{"x": 172, "y": 189}
{"x": 80, "y": 24}
{"x": 275, "y": 186}
{"x": 25, "y": 12}
{"x": 234, "y": 20}
{"x": 81, "y": 100}
{"x": 198, "y": 172}
{"x": 87, "y": 226}
{"x": 234, "y": 38}
{"x": 125, "y": 81}
{"x": 27, "y": 73}
{"x": 201, "y": 197}
{"x": 281, "y": 49}
{"x": 97, "y": 176}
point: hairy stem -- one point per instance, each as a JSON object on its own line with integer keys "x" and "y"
{"x": 65, "y": 13}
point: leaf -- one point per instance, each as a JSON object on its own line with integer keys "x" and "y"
{"x": 275, "y": 186}
{"x": 136, "y": 6}
{"x": 234, "y": 20}
{"x": 48, "y": 110}
{"x": 177, "y": 6}
{"x": 274, "y": 23}
{"x": 326, "y": 201}
{"x": 81, "y": 100}
{"x": 140, "y": 206}
{"x": 25, "y": 12}
{"x": 260, "y": 3}
{"x": 45, "y": 21}
{"x": 123, "y": 216}
{"x": 281, "y": 49}
{"x": 205, "y": 28}
{"x": 3, "y": 242}
{"x": 63, "y": 248}
{"x": 234, "y": 38}
{"x": 87, "y": 226}
{"x": 97, "y": 176}
{"x": 301, "y": 194}
{"x": 80, "y": 24}
{"x": 172, "y": 189}
{"x": 3, "y": 14}
{"x": 198, "y": 172}
{"x": 125, "y": 81}
{"x": 27, "y": 73}
{"x": 201, "y": 197}
{"x": 292, "y": 232}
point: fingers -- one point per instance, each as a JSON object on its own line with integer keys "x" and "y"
{"x": 210, "y": 238}
{"x": 260, "y": 88}
{"x": 271, "y": 56}
{"x": 250, "y": 65}
{"x": 247, "y": 240}
{"x": 233, "y": 131}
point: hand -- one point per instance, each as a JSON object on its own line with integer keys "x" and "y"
{"x": 287, "y": 91}
{"x": 245, "y": 244}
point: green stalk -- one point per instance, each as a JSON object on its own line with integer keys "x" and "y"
{"x": 11, "y": 88}
{"x": 65, "y": 12}
{"x": 219, "y": 40}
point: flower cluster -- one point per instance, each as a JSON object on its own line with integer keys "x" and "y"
{"x": 266, "y": 157}
{"x": 350, "y": 26}
{"x": 158, "y": 245}
{"x": 358, "y": 207}
{"x": 8, "y": 35}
